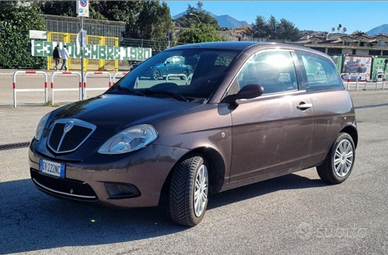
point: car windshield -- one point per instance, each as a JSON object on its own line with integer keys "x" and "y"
{"x": 189, "y": 74}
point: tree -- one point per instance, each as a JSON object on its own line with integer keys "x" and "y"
{"x": 144, "y": 19}
{"x": 339, "y": 27}
{"x": 274, "y": 30}
{"x": 358, "y": 33}
{"x": 260, "y": 28}
{"x": 16, "y": 20}
{"x": 116, "y": 10}
{"x": 286, "y": 30}
{"x": 272, "y": 27}
{"x": 197, "y": 16}
{"x": 200, "y": 33}
{"x": 105, "y": 10}
{"x": 62, "y": 8}
{"x": 152, "y": 22}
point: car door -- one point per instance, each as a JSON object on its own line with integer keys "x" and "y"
{"x": 272, "y": 133}
{"x": 168, "y": 66}
{"x": 332, "y": 103}
{"x": 177, "y": 65}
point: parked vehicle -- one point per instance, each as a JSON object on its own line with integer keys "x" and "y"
{"x": 173, "y": 66}
{"x": 134, "y": 65}
{"x": 250, "y": 112}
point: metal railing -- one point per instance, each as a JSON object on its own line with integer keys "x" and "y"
{"x": 67, "y": 24}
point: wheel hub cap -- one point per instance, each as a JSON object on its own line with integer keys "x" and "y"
{"x": 343, "y": 158}
{"x": 200, "y": 191}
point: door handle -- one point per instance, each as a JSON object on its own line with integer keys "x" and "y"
{"x": 303, "y": 106}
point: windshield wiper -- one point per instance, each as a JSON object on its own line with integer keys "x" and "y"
{"x": 130, "y": 91}
{"x": 174, "y": 95}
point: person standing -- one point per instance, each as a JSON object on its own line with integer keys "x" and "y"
{"x": 64, "y": 56}
{"x": 56, "y": 56}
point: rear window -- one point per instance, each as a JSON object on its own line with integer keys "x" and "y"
{"x": 320, "y": 72}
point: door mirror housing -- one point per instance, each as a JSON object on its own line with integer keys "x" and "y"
{"x": 247, "y": 92}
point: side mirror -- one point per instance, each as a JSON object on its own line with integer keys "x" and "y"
{"x": 247, "y": 92}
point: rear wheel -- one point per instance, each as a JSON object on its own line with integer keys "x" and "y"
{"x": 188, "y": 196}
{"x": 185, "y": 72}
{"x": 156, "y": 74}
{"x": 340, "y": 160}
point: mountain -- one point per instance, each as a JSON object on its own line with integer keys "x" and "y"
{"x": 223, "y": 20}
{"x": 383, "y": 29}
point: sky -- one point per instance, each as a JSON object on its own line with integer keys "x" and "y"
{"x": 306, "y": 15}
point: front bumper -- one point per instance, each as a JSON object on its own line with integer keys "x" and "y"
{"x": 146, "y": 170}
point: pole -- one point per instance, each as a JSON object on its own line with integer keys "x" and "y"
{"x": 82, "y": 59}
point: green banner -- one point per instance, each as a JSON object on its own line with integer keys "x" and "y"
{"x": 379, "y": 66}
{"x": 338, "y": 62}
{"x": 45, "y": 49}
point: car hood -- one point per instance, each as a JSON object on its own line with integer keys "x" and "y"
{"x": 112, "y": 113}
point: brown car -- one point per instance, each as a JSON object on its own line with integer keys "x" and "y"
{"x": 249, "y": 112}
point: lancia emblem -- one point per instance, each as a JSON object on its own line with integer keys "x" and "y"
{"x": 68, "y": 126}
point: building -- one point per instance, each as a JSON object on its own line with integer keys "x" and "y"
{"x": 345, "y": 44}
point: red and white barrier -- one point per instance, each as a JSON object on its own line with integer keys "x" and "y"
{"x": 53, "y": 89}
{"x": 121, "y": 75}
{"x": 184, "y": 76}
{"x": 15, "y": 90}
{"x": 96, "y": 73}
{"x": 381, "y": 82}
{"x": 353, "y": 79}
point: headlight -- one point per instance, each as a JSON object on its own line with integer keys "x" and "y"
{"x": 130, "y": 139}
{"x": 40, "y": 128}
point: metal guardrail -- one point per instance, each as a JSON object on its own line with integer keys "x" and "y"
{"x": 65, "y": 89}
{"x": 15, "y": 90}
{"x": 118, "y": 76}
{"x": 96, "y": 73}
{"x": 347, "y": 83}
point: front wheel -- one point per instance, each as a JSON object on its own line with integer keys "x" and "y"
{"x": 339, "y": 162}
{"x": 188, "y": 196}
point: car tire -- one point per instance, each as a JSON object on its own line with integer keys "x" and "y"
{"x": 156, "y": 74}
{"x": 188, "y": 196}
{"x": 339, "y": 162}
{"x": 185, "y": 72}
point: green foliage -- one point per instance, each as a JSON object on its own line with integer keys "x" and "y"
{"x": 358, "y": 33}
{"x": 144, "y": 19}
{"x": 287, "y": 31}
{"x": 115, "y": 10}
{"x": 196, "y": 16}
{"x": 200, "y": 33}
{"x": 260, "y": 27}
{"x": 275, "y": 30}
{"x": 62, "y": 8}
{"x": 15, "y": 22}
{"x": 152, "y": 22}
{"x": 105, "y": 10}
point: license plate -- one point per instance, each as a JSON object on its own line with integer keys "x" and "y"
{"x": 52, "y": 168}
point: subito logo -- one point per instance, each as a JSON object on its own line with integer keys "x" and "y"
{"x": 304, "y": 231}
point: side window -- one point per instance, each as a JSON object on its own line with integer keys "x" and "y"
{"x": 274, "y": 70}
{"x": 320, "y": 72}
{"x": 169, "y": 61}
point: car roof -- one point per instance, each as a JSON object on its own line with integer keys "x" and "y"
{"x": 243, "y": 46}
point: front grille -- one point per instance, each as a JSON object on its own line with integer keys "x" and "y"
{"x": 68, "y": 134}
{"x": 64, "y": 187}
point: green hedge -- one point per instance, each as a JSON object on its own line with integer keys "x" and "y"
{"x": 16, "y": 19}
